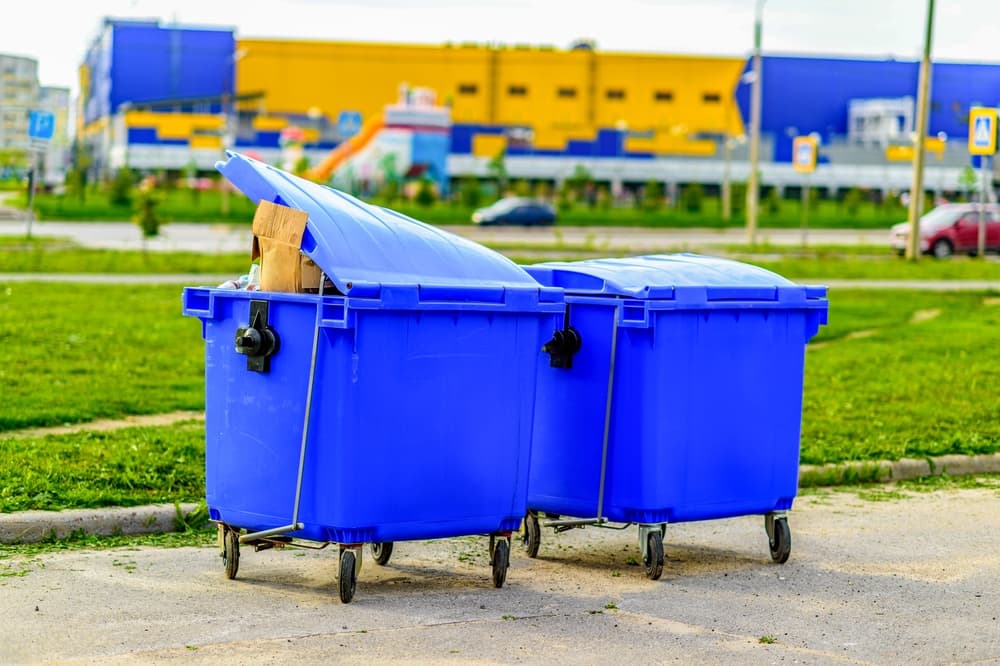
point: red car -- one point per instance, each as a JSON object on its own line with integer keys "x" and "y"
{"x": 951, "y": 228}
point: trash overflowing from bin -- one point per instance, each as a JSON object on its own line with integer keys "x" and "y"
{"x": 673, "y": 394}
{"x": 377, "y": 386}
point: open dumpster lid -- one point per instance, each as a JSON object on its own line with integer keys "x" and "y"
{"x": 355, "y": 242}
{"x": 671, "y": 276}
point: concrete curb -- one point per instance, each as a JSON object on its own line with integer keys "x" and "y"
{"x": 897, "y": 470}
{"x": 33, "y": 526}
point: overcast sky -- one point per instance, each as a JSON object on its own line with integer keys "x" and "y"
{"x": 57, "y": 32}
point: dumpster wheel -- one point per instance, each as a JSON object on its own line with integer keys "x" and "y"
{"x": 501, "y": 560}
{"x": 230, "y": 550}
{"x": 653, "y": 559}
{"x": 348, "y": 575}
{"x": 381, "y": 552}
{"x": 780, "y": 541}
{"x": 531, "y": 534}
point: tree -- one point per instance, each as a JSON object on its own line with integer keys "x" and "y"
{"x": 967, "y": 181}
{"x": 497, "y": 166}
{"x": 120, "y": 191}
{"x": 852, "y": 201}
{"x": 773, "y": 201}
{"x": 582, "y": 183}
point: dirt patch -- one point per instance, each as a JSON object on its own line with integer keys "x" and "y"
{"x": 991, "y": 300}
{"x": 925, "y": 315}
{"x": 110, "y": 424}
{"x": 866, "y": 333}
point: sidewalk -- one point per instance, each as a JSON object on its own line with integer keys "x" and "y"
{"x": 33, "y": 526}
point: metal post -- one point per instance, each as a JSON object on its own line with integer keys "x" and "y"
{"x": 805, "y": 210}
{"x": 31, "y": 188}
{"x": 727, "y": 190}
{"x": 981, "y": 244}
{"x": 752, "y": 183}
{"x": 917, "y": 186}
{"x": 607, "y": 415}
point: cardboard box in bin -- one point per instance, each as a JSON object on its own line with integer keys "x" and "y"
{"x": 277, "y": 238}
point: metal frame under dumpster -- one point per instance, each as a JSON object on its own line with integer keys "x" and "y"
{"x": 674, "y": 394}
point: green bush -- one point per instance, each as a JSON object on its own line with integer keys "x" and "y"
{"x": 852, "y": 201}
{"x": 470, "y": 193}
{"x": 692, "y": 197}
{"x": 652, "y": 196}
{"x": 146, "y": 215}
{"x": 426, "y": 196}
{"x": 772, "y": 202}
{"x": 120, "y": 188}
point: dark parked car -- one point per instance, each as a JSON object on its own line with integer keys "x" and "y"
{"x": 516, "y": 210}
{"x": 951, "y": 228}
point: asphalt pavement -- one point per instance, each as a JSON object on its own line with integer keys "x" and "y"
{"x": 887, "y": 578}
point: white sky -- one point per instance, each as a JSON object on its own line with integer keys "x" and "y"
{"x": 57, "y": 32}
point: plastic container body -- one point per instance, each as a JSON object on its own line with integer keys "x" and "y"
{"x": 706, "y": 393}
{"x": 421, "y": 414}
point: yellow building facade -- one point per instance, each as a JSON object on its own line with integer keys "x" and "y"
{"x": 666, "y": 104}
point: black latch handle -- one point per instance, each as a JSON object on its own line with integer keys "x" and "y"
{"x": 561, "y": 348}
{"x": 257, "y": 341}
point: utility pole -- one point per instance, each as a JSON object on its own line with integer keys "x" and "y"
{"x": 753, "y": 184}
{"x": 917, "y": 186}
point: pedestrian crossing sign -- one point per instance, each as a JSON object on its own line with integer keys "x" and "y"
{"x": 982, "y": 131}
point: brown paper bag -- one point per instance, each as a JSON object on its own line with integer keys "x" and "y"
{"x": 277, "y": 237}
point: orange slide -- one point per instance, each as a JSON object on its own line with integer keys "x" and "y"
{"x": 322, "y": 171}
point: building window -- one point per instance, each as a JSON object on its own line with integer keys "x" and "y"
{"x": 517, "y": 91}
{"x": 467, "y": 89}
{"x": 615, "y": 93}
{"x": 663, "y": 96}
{"x": 568, "y": 93}
{"x": 711, "y": 98}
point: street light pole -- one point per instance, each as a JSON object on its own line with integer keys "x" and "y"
{"x": 752, "y": 183}
{"x": 917, "y": 188}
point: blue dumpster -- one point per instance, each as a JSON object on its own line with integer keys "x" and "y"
{"x": 674, "y": 394}
{"x": 397, "y": 405}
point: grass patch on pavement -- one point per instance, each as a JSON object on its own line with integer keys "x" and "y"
{"x": 79, "y": 352}
{"x": 87, "y": 469}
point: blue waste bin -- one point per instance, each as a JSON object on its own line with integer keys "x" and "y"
{"x": 674, "y": 394}
{"x": 397, "y": 406}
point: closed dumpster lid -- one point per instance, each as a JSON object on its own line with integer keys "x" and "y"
{"x": 355, "y": 242}
{"x": 671, "y": 276}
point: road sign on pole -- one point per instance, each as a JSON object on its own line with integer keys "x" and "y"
{"x": 41, "y": 125}
{"x": 982, "y": 131}
{"x": 804, "y": 154}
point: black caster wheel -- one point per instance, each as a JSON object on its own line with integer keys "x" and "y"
{"x": 653, "y": 560}
{"x": 381, "y": 552}
{"x": 501, "y": 560}
{"x": 230, "y": 550}
{"x": 531, "y": 534}
{"x": 780, "y": 541}
{"x": 348, "y": 576}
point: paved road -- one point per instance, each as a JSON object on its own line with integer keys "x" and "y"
{"x": 896, "y": 581}
{"x": 229, "y": 238}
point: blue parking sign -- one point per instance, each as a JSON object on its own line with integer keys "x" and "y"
{"x": 41, "y": 125}
{"x": 348, "y": 124}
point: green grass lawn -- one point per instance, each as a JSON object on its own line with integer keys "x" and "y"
{"x": 78, "y": 352}
{"x": 895, "y": 374}
{"x": 20, "y": 255}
